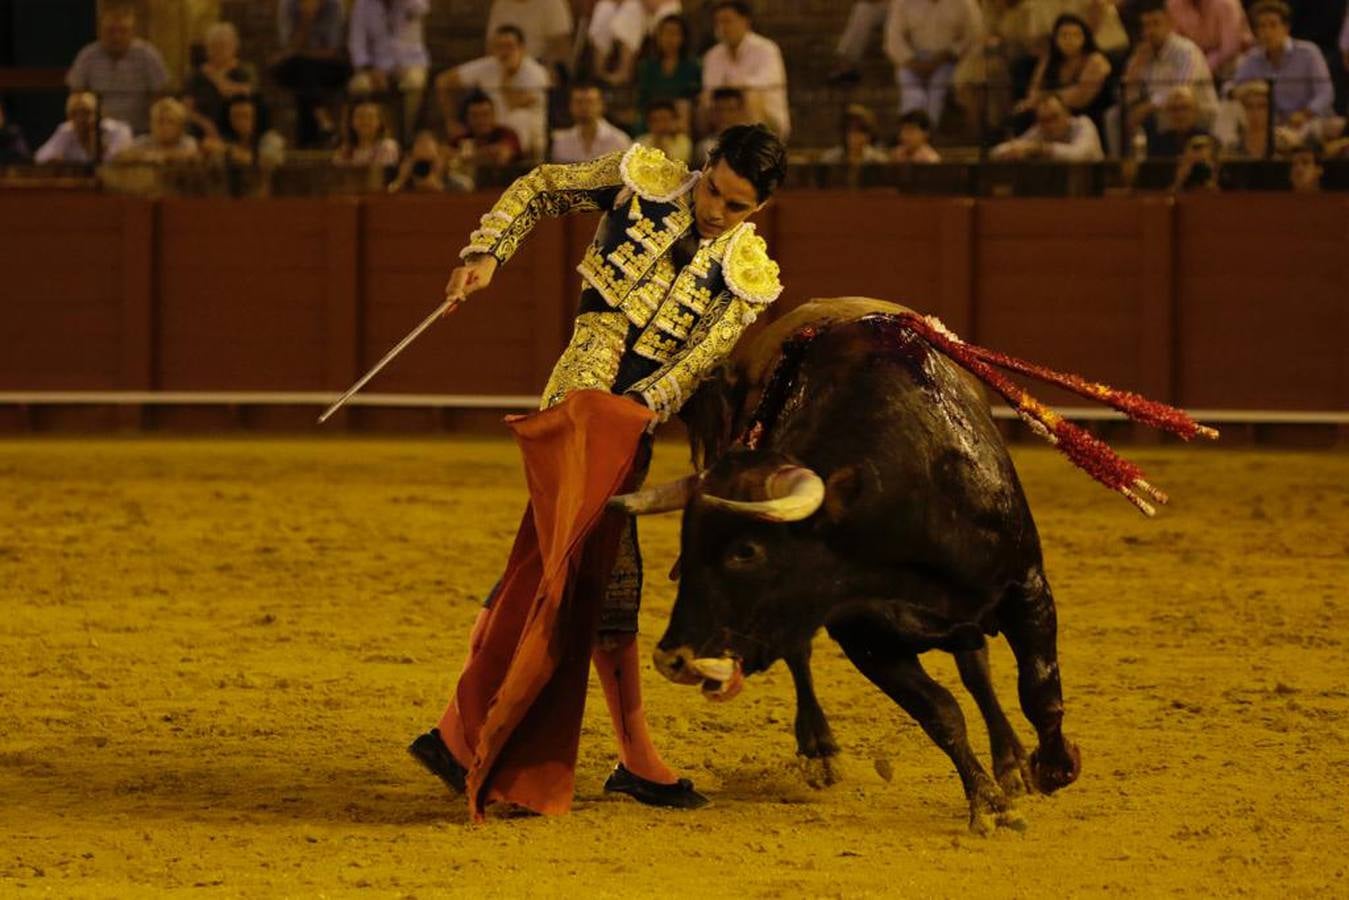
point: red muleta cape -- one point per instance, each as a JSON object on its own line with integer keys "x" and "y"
{"x": 515, "y": 718}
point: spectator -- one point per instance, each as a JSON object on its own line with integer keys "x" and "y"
{"x": 13, "y": 145}
{"x": 168, "y": 141}
{"x": 925, "y": 39}
{"x": 1057, "y": 135}
{"x": 915, "y": 139}
{"x": 668, "y": 70}
{"x": 1180, "y": 122}
{"x": 1252, "y": 137}
{"x": 1198, "y": 168}
{"x": 865, "y": 18}
{"x": 1162, "y": 62}
{"x": 666, "y": 132}
{"x": 1305, "y": 171}
{"x": 388, "y": 50}
{"x": 480, "y": 141}
{"x": 74, "y": 140}
{"x": 245, "y": 141}
{"x": 743, "y": 59}
{"x": 1218, "y": 27}
{"x": 1074, "y": 70}
{"x": 545, "y": 27}
{"x": 517, "y": 84}
{"x": 591, "y": 135}
{"x": 216, "y": 81}
{"x": 312, "y": 64}
{"x": 618, "y": 28}
{"x": 1303, "y": 94}
{"x": 366, "y": 140}
{"x": 424, "y": 171}
{"x": 859, "y": 140}
{"x": 125, "y": 71}
{"x": 728, "y": 108}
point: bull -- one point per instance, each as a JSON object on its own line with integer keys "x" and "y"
{"x": 882, "y": 506}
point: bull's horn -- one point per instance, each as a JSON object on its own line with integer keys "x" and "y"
{"x": 662, "y": 498}
{"x": 794, "y": 493}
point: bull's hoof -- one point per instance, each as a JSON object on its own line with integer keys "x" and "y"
{"x": 1014, "y": 777}
{"x": 991, "y": 810}
{"x": 820, "y": 772}
{"x": 1053, "y": 772}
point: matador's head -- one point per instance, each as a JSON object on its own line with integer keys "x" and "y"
{"x": 744, "y": 168}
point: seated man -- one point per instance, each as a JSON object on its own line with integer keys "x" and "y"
{"x": 665, "y": 131}
{"x": 545, "y": 27}
{"x": 925, "y": 39}
{"x": 1218, "y": 27}
{"x": 388, "y": 51}
{"x": 591, "y": 135}
{"x": 744, "y": 59}
{"x": 168, "y": 140}
{"x": 728, "y": 108}
{"x": 125, "y": 71}
{"x": 1163, "y": 61}
{"x": 1056, "y": 135}
{"x": 480, "y": 140}
{"x": 1180, "y": 122}
{"x": 1303, "y": 93}
{"x": 77, "y": 140}
{"x": 517, "y": 84}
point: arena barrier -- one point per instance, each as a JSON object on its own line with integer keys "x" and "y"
{"x": 1230, "y": 304}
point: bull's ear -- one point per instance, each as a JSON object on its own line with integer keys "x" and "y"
{"x": 843, "y": 488}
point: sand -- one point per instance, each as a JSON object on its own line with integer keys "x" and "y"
{"x": 213, "y": 653}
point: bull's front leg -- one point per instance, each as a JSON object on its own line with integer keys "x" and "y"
{"x": 814, "y": 739}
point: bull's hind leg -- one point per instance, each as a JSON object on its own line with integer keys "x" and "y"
{"x": 1028, "y": 619}
{"x": 1010, "y": 764}
{"x": 882, "y": 657}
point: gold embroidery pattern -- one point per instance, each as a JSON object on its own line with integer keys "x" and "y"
{"x": 750, "y": 272}
{"x": 711, "y": 341}
{"x": 591, "y": 359}
{"x": 547, "y": 190}
{"x": 653, "y": 175}
{"x": 636, "y": 276}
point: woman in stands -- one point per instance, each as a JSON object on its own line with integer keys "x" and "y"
{"x": 1074, "y": 69}
{"x": 365, "y": 140}
{"x": 245, "y": 140}
{"x": 669, "y": 71}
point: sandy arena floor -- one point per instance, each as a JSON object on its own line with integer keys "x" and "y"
{"x": 213, "y": 653}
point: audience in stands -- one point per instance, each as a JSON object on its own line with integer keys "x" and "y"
{"x": 1162, "y": 62}
{"x": 517, "y": 84}
{"x": 312, "y": 64}
{"x": 1074, "y": 70}
{"x": 925, "y": 39}
{"x": 1303, "y": 94}
{"x": 244, "y": 139}
{"x": 1218, "y": 27}
{"x": 545, "y": 27}
{"x": 76, "y": 140}
{"x": 1198, "y": 167}
{"x": 365, "y": 139}
{"x": 1056, "y": 135}
{"x": 745, "y": 59}
{"x": 13, "y": 144}
{"x": 480, "y": 140}
{"x": 219, "y": 79}
{"x": 388, "y": 50}
{"x": 1252, "y": 137}
{"x": 669, "y": 71}
{"x": 865, "y": 18}
{"x": 591, "y": 135}
{"x": 1305, "y": 171}
{"x": 728, "y": 108}
{"x": 915, "y": 139}
{"x": 125, "y": 72}
{"x": 618, "y": 29}
{"x": 1178, "y": 123}
{"x": 666, "y": 132}
{"x": 858, "y": 146}
{"x": 168, "y": 141}
{"x": 424, "y": 169}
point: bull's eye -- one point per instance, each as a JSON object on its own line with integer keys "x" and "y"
{"x": 744, "y": 555}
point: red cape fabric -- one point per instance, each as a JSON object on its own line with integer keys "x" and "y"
{"x": 515, "y": 718}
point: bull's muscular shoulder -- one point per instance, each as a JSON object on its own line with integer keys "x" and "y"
{"x": 652, "y": 175}
{"x": 753, "y": 358}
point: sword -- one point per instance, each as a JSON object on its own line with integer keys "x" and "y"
{"x": 398, "y": 348}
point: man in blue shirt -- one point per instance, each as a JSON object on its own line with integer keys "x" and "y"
{"x": 1303, "y": 92}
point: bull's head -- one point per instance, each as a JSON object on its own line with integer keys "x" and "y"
{"x": 756, "y": 569}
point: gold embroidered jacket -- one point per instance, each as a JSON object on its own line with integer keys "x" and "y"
{"x": 657, "y": 327}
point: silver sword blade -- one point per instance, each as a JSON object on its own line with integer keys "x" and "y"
{"x": 398, "y": 348}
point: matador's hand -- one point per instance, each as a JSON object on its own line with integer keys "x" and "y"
{"x": 474, "y": 275}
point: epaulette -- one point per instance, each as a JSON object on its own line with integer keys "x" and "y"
{"x": 750, "y": 272}
{"x": 652, "y": 175}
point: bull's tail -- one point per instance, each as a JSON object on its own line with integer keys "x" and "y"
{"x": 1088, "y": 453}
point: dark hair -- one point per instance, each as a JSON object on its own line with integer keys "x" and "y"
{"x": 476, "y": 97}
{"x": 755, "y": 154}
{"x": 740, "y": 6}
{"x": 259, "y": 122}
{"x": 584, "y": 85}
{"x": 1271, "y": 7}
{"x": 1055, "y": 58}
{"x": 349, "y": 139}
{"x": 918, "y": 118}
{"x": 685, "y": 49}
{"x": 728, "y": 93}
{"x": 657, "y": 105}
{"x": 1152, "y": 6}
{"x": 512, "y": 29}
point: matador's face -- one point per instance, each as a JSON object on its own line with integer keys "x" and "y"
{"x": 722, "y": 200}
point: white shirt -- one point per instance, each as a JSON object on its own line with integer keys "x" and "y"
{"x": 540, "y": 20}
{"x": 64, "y": 145}
{"x": 756, "y": 64}
{"x": 529, "y": 122}
{"x": 626, "y": 21}
{"x": 924, "y": 28}
{"x": 569, "y": 147}
{"x": 1083, "y": 143}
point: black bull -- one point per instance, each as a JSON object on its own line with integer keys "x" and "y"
{"x": 881, "y": 505}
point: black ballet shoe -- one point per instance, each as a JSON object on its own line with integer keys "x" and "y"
{"x": 429, "y": 750}
{"x": 679, "y": 795}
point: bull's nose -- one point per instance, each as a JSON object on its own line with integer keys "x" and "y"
{"x": 675, "y": 665}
